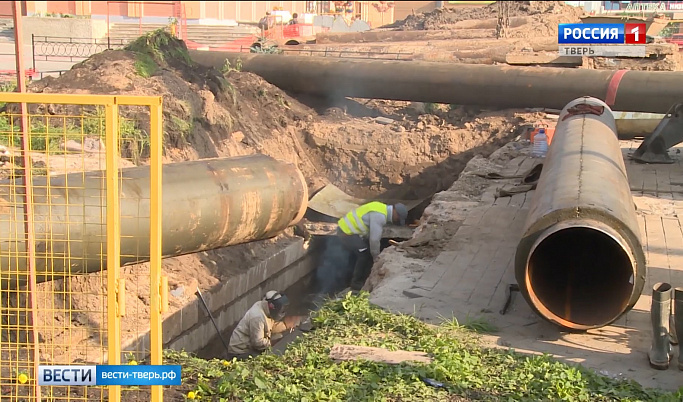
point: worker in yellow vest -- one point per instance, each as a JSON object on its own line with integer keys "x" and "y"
{"x": 360, "y": 232}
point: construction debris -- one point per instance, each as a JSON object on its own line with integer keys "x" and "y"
{"x": 379, "y": 355}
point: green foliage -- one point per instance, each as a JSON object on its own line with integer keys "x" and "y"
{"x": 227, "y": 67}
{"x": 182, "y": 126}
{"x": 145, "y": 66}
{"x": 159, "y": 47}
{"x": 8, "y": 86}
{"x": 42, "y": 136}
{"x": 306, "y": 373}
{"x": 47, "y": 133}
{"x": 478, "y": 325}
{"x": 670, "y": 29}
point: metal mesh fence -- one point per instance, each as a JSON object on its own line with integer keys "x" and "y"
{"x": 91, "y": 170}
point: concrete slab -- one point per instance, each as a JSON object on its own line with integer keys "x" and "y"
{"x": 532, "y": 58}
{"x": 472, "y": 273}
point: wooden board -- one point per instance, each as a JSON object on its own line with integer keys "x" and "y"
{"x": 526, "y": 58}
{"x": 353, "y": 352}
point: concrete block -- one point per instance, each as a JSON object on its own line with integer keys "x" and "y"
{"x": 190, "y": 315}
{"x": 62, "y": 27}
{"x": 273, "y": 265}
{"x": 172, "y": 326}
{"x": 533, "y": 58}
{"x": 220, "y": 295}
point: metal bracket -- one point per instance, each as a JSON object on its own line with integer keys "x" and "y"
{"x": 669, "y": 132}
{"x": 121, "y": 296}
{"x": 513, "y": 287}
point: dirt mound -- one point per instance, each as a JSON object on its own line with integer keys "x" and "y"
{"x": 442, "y": 18}
{"x": 207, "y": 113}
{"x": 421, "y": 152}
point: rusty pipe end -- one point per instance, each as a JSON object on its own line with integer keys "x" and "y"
{"x": 598, "y": 109}
{"x": 580, "y": 274}
{"x": 304, "y": 197}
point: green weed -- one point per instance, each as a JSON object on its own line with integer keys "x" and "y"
{"x": 478, "y": 325}
{"x": 162, "y": 47}
{"x": 182, "y": 126}
{"x": 42, "y": 136}
{"x": 46, "y": 135}
{"x": 227, "y": 67}
{"x": 306, "y": 373}
{"x": 145, "y": 66}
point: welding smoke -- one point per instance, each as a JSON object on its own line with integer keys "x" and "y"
{"x": 334, "y": 269}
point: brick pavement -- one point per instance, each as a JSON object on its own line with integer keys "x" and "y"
{"x": 470, "y": 276}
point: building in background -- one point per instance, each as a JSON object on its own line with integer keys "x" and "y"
{"x": 672, "y": 9}
{"x": 202, "y": 12}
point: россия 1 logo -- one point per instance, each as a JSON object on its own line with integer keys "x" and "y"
{"x": 607, "y": 40}
{"x": 601, "y": 34}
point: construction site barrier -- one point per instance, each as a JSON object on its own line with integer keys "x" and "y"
{"x": 68, "y": 318}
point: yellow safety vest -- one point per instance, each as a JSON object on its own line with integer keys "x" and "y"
{"x": 352, "y": 223}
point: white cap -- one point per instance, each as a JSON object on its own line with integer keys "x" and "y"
{"x": 270, "y": 294}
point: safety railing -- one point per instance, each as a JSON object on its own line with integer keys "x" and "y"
{"x": 64, "y": 297}
{"x": 66, "y": 49}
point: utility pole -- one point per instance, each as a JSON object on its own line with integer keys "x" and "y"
{"x": 27, "y": 184}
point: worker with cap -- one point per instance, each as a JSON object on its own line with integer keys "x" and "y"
{"x": 360, "y": 232}
{"x": 254, "y": 333}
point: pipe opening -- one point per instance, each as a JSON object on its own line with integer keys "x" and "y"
{"x": 580, "y": 277}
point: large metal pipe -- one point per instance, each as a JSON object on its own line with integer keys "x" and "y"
{"x": 460, "y": 84}
{"x": 207, "y": 204}
{"x": 580, "y": 263}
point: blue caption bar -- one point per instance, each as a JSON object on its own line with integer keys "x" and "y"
{"x": 109, "y": 375}
{"x": 138, "y": 375}
{"x": 594, "y": 34}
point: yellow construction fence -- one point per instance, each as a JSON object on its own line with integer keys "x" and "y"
{"x": 65, "y": 299}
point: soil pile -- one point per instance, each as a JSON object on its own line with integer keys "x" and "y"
{"x": 207, "y": 113}
{"x": 419, "y": 153}
{"x": 442, "y": 18}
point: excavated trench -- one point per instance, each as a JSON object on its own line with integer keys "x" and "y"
{"x": 305, "y": 295}
{"x": 375, "y": 162}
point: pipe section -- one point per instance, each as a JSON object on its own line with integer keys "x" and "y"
{"x": 207, "y": 204}
{"x": 580, "y": 263}
{"x": 460, "y": 84}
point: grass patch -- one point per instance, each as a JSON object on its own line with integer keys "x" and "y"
{"x": 145, "y": 66}
{"x": 161, "y": 47}
{"x": 42, "y": 137}
{"x": 468, "y": 372}
{"x": 46, "y": 133}
{"x": 227, "y": 67}
{"x": 478, "y": 325}
{"x": 182, "y": 126}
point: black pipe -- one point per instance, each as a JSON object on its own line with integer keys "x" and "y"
{"x": 206, "y": 204}
{"x": 580, "y": 263}
{"x": 459, "y": 84}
